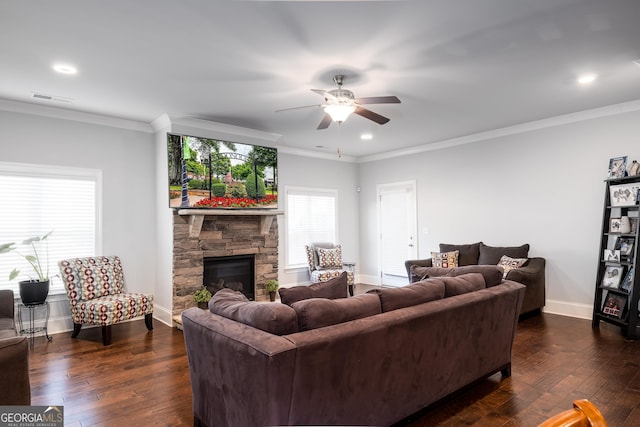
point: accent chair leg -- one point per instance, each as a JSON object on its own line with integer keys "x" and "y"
{"x": 76, "y": 329}
{"x": 148, "y": 321}
{"x": 106, "y": 335}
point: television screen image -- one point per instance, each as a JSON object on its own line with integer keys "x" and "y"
{"x": 215, "y": 174}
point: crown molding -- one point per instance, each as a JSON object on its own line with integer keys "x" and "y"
{"x": 78, "y": 116}
{"x": 316, "y": 155}
{"x": 595, "y": 113}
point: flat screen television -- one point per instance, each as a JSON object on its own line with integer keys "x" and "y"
{"x": 215, "y": 174}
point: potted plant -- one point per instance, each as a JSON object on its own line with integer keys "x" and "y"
{"x": 36, "y": 289}
{"x": 271, "y": 286}
{"x": 202, "y": 297}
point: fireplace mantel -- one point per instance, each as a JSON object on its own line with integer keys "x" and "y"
{"x": 196, "y": 217}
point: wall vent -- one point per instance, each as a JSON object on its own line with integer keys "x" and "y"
{"x": 52, "y": 98}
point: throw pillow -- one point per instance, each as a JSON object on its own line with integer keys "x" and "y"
{"x": 492, "y": 273}
{"x": 407, "y": 296}
{"x": 319, "y": 312}
{"x": 468, "y": 253}
{"x": 445, "y": 259}
{"x": 462, "y": 284}
{"x": 331, "y": 289}
{"x": 490, "y": 255}
{"x": 277, "y": 319}
{"x": 508, "y": 263}
{"x": 330, "y": 258}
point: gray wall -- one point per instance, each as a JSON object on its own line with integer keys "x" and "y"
{"x": 128, "y": 173}
{"x": 543, "y": 187}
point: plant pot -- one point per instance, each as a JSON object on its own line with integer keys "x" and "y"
{"x": 33, "y": 292}
{"x": 203, "y": 305}
{"x": 272, "y": 296}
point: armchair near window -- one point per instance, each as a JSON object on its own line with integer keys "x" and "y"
{"x": 97, "y": 296}
{"x": 325, "y": 263}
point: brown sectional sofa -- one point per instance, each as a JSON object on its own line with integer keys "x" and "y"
{"x": 531, "y": 274}
{"x": 15, "y": 388}
{"x": 372, "y": 359}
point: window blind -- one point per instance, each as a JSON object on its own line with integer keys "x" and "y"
{"x": 36, "y": 201}
{"x": 310, "y": 217}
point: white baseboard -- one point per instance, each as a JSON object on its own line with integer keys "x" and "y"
{"x": 570, "y": 309}
{"x": 163, "y": 314}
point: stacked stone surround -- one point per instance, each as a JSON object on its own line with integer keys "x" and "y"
{"x": 226, "y": 235}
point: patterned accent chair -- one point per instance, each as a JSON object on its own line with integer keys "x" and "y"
{"x": 325, "y": 263}
{"x": 97, "y": 296}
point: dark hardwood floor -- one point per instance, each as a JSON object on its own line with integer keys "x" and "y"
{"x": 142, "y": 379}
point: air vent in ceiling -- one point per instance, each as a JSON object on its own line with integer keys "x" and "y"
{"x": 52, "y": 98}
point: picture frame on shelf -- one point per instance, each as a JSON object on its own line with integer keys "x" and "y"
{"x": 614, "y": 225}
{"x": 614, "y": 304}
{"x": 612, "y": 255}
{"x": 617, "y": 167}
{"x": 625, "y": 246}
{"x": 627, "y": 283}
{"x": 624, "y": 194}
{"x": 633, "y": 221}
{"x": 612, "y": 276}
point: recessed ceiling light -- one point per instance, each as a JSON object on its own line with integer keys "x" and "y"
{"x": 586, "y": 79}
{"x": 65, "y": 69}
{"x": 366, "y": 136}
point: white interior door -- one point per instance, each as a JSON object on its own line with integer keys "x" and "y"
{"x": 397, "y": 225}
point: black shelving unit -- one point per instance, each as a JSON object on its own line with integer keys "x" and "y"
{"x": 617, "y": 289}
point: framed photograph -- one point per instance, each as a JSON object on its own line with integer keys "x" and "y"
{"x": 612, "y": 276}
{"x": 614, "y": 304}
{"x": 612, "y": 255}
{"x": 625, "y": 246}
{"x": 634, "y": 224}
{"x": 627, "y": 283}
{"x": 617, "y": 167}
{"x": 624, "y": 195}
{"x": 614, "y": 225}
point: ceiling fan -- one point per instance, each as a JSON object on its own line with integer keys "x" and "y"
{"x": 340, "y": 103}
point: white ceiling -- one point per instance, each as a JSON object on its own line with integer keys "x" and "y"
{"x": 459, "y": 67}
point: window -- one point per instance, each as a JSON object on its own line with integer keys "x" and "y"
{"x": 38, "y": 199}
{"x": 310, "y": 217}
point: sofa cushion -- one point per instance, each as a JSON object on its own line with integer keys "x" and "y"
{"x": 468, "y": 254}
{"x": 330, "y": 258}
{"x": 331, "y": 289}
{"x": 490, "y": 255}
{"x": 278, "y": 319}
{"x": 508, "y": 263}
{"x": 445, "y": 259}
{"x": 320, "y": 312}
{"x": 407, "y": 296}
{"x": 492, "y": 273}
{"x": 462, "y": 284}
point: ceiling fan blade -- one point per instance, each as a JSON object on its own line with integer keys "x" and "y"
{"x": 298, "y": 108}
{"x": 324, "y": 93}
{"x": 371, "y": 115}
{"x": 378, "y": 100}
{"x": 326, "y": 121}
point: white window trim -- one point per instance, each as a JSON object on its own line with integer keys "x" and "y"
{"x": 54, "y": 171}
{"x": 311, "y": 191}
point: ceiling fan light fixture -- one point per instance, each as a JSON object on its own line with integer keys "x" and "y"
{"x": 339, "y": 112}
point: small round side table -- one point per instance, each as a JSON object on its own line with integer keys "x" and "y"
{"x": 31, "y": 329}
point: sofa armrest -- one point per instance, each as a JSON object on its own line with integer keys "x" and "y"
{"x": 15, "y": 388}
{"x": 532, "y": 275}
{"x": 421, "y": 262}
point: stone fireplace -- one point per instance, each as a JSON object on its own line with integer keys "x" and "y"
{"x": 223, "y": 235}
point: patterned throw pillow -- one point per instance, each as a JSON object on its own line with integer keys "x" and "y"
{"x": 508, "y": 263}
{"x": 330, "y": 258}
{"x": 445, "y": 259}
